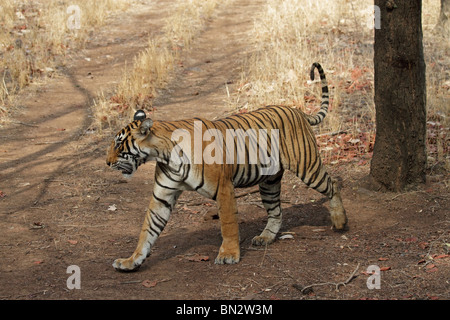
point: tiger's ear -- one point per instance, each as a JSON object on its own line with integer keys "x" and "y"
{"x": 145, "y": 126}
{"x": 139, "y": 115}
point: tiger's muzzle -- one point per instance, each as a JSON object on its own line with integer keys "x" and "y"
{"x": 125, "y": 166}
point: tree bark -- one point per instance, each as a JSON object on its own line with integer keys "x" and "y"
{"x": 443, "y": 25}
{"x": 399, "y": 157}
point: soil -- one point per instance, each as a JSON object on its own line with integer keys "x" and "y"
{"x": 61, "y": 205}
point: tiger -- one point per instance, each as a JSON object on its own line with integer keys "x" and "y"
{"x": 146, "y": 140}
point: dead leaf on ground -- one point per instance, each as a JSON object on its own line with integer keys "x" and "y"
{"x": 150, "y": 284}
{"x": 37, "y": 225}
{"x": 423, "y": 245}
{"x": 431, "y": 268}
{"x": 197, "y": 258}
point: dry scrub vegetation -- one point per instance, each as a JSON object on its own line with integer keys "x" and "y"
{"x": 151, "y": 68}
{"x": 339, "y": 34}
{"x": 35, "y": 36}
{"x": 287, "y": 38}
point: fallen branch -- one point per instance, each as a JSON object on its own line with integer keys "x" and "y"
{"x": 331, "y": 134}
{"x": 246, "y": 193}
{"x": 305, "y": 290}
{"x": 25, "y": 124}
{"x": 404, "y": 193}
{"x": 192, "y": 204}
{"x": 202, "y": 202}
{"x": 131, "y": 282}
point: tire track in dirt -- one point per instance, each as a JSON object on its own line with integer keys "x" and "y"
{"x": 212, "y": 64}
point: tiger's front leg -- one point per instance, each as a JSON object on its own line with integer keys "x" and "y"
{"x": 156, "y": 218}
{"x": 229, "y": 251}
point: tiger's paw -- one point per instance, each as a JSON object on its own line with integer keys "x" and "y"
{"x": 228, "y": 256}
{"x": 125, "y": 265}
{"x": 338, "y": 218}
{"x": 263, "y": 240}
{"x": 337, "y": 211}
{"x": 339, "y": 221}
{"x": 226, "y": 259}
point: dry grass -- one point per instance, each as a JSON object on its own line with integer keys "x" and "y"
{"x": 138, "y": 86}
{"x": 151, "y": 68}
{"x": 35, "y": 36}
{"x": 334, "y": 33}
{"x": 437, "y": 57}
{"x": 291, "y": 34}
{"x": 188, "y": 20}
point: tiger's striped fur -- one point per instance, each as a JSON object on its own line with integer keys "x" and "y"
{"x": 144, "y": 140}
{"x": 317, "y": 118}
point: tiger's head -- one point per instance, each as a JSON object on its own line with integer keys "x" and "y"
{"x": 130, "y": 147}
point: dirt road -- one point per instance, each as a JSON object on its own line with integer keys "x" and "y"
{"x": 63, "y": 206}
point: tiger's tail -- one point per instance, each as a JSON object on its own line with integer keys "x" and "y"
{"x": 317, "y": 118}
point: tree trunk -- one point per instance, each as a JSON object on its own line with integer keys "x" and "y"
{"x": 443, "y": 25}
{"x": 399, "y": 157}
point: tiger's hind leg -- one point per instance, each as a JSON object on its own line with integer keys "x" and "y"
{"x": 321, "y": 181}
{"x": 270, "y": 196}
{"x": 337, "y": 211}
